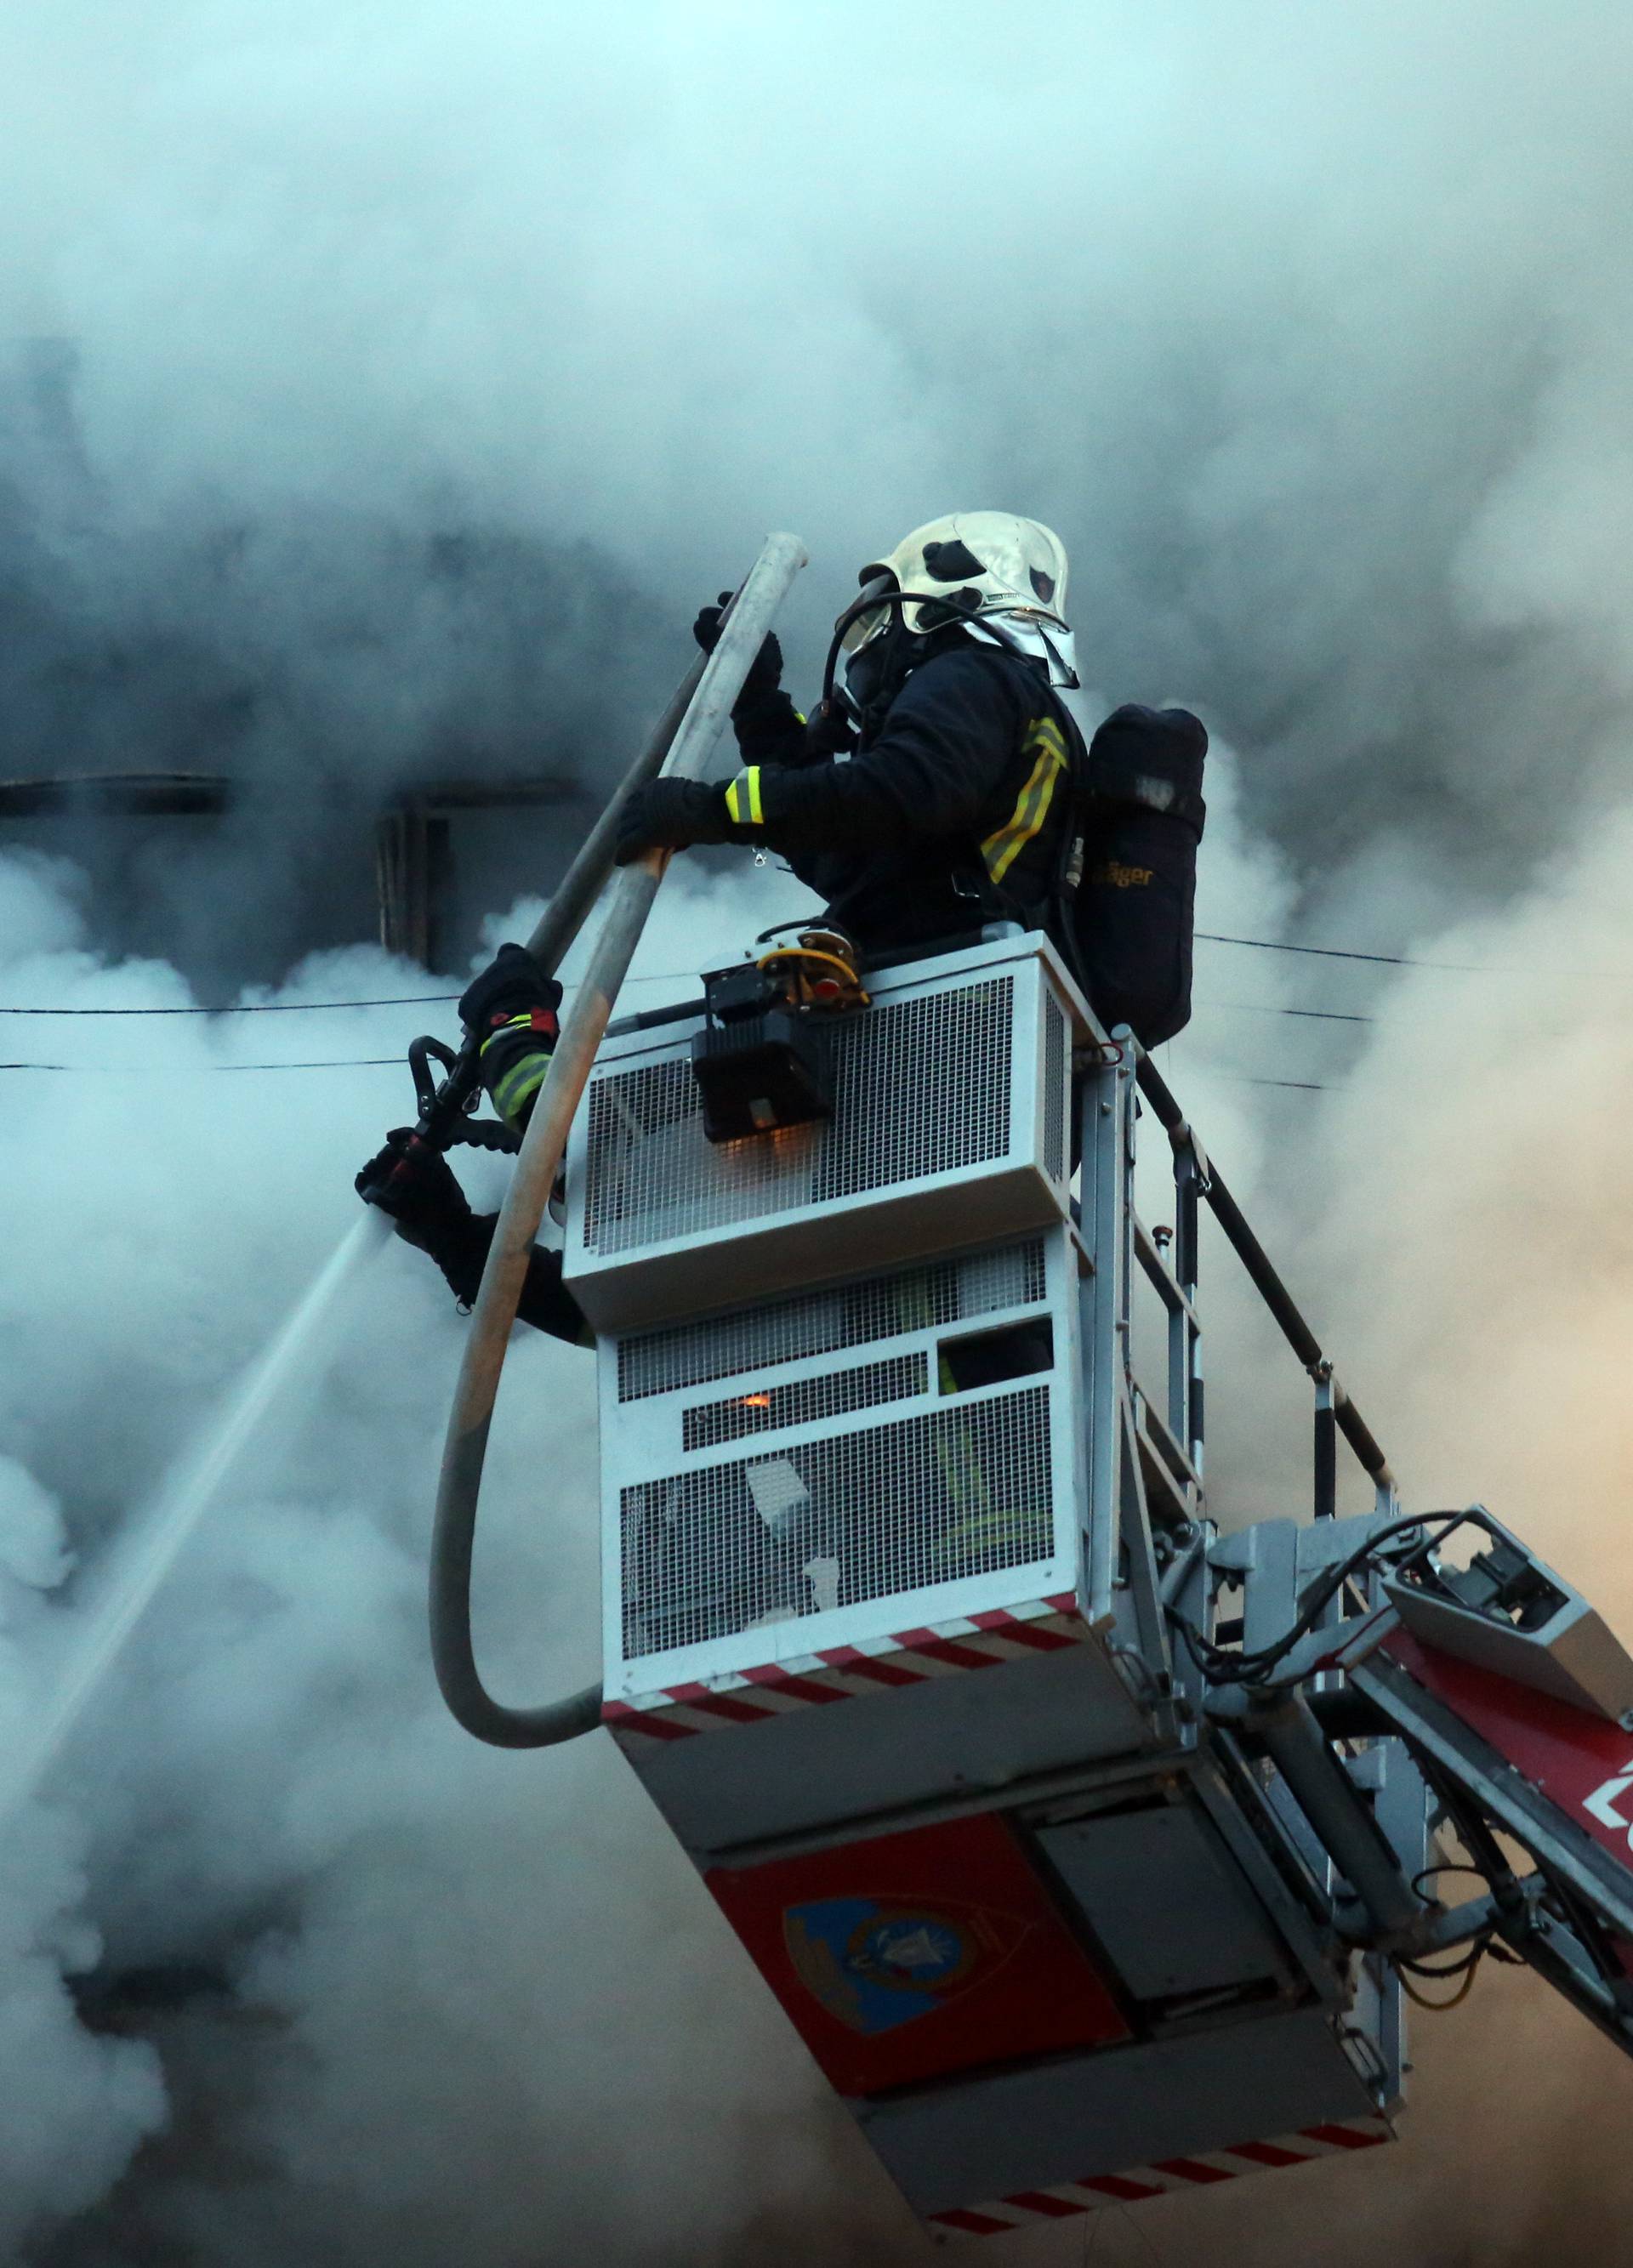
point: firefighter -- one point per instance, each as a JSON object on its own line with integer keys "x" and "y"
{"x": 969, "y": 795}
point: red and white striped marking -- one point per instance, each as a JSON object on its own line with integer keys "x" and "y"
{"x": 1094, "y": 2191}
{"x": 841, "y": 1672}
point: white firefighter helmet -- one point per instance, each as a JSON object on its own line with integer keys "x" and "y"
{"x": 969, "y": 565}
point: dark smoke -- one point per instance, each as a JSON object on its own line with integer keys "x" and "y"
{"x": 322, "y": 660}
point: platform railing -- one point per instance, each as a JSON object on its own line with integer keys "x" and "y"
{"x": 1145, "y": 1538}
{"x": 1198, "y": 1179}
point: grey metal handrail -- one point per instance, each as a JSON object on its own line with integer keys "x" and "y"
{"x": 1334, "y": 1412}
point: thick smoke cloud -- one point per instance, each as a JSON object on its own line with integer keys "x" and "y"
{"x": 411, "y": 382}
{"x": 411, "y": 1978}
{"x": 385, "y": 387}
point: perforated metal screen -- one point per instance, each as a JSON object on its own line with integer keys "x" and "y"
{"x": 822, "y": 1322}
{"x": 883, "y": 1509}
{"x": 921, "y": 1088}
{"x": 834, "y": 1395}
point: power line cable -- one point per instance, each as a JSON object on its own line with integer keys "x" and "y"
{"x": 250, "y": 1008}
{"x": 1324, "y": 952}
{"x": 654, "y": 975}
{"x": 168, "y": 1071}
{"x": 1270, "y": 1008}
{"x": 316, "y": 1007}
{"x": 1304, "y": 1085}
{"x": 1389, "y": 960}
{"x": 667, "y": 975}
{"x": 366, "y": 1062}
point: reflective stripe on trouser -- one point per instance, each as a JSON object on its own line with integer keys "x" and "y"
{"x": 1045, "y": 743}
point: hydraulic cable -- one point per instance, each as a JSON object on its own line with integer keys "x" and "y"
{"x": 1229, "y": 1668}
{"x": 717, "y": 686}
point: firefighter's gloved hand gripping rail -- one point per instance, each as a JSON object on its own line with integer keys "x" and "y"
{"x": 712, "y": 690}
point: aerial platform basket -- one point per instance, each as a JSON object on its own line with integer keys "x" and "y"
{"x": 886, "y": 1527}
{"x": 793, "y": 1482}
{"x": 1077, "y": 1890}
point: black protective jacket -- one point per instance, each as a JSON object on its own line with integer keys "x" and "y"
{"x": 948, "y": 817}
{"x": 955, "y": 812}
{"x": 975, "y": 800}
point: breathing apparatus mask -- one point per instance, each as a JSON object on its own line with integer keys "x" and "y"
{"x": 878, "y": 650}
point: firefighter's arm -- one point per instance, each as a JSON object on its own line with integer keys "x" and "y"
{"x": 510, "y": 1008}
{"x": 946, "y": 745}
{"x": 546, "y": 1304}
{"x": 949, "y": 737}
{"x": 770, "y": 729}
{"x": 413, "y": 1184}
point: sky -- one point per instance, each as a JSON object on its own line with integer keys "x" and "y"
{"x": 379, "y": 386}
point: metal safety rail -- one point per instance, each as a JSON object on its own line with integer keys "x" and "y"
{"x": 682, "y": 746}
{"x": 1197, "y": 1180}
{"x": 1148, "y": 1466}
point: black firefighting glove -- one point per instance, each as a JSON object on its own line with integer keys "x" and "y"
{"x": 512, "y": 1007}
{"x": 671, "y": 814}
{"x": 765, "y": 671}
{"x": 411, "y": 1181}
{"x": 414, "y": 1185}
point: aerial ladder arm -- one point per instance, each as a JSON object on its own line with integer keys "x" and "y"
{"x": 1514, "y": 1702}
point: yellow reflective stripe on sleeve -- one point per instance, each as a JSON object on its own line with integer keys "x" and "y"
{"x": 503, "y": 1031}
{"x": 1031, "y": 808}
{"x": 519, "y": 1086}
{"x": 743, "y": 806}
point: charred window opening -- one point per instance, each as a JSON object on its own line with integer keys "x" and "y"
{"x": 987, "y": 1358}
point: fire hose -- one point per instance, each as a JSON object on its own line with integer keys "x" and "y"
{"x": 680, "y": 748}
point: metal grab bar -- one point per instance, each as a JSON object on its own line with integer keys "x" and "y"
{"x": 465, "y": 1449}
{"x": 1334, "y": 1410}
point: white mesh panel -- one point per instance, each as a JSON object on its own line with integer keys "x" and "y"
{"x": 1055, "y": 1088}
{"x": 822, "y": 1322}
{"x": 805, "y": 1402}
{"x": 921, "y": 1088}
{"x": 882, "y": 1509}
